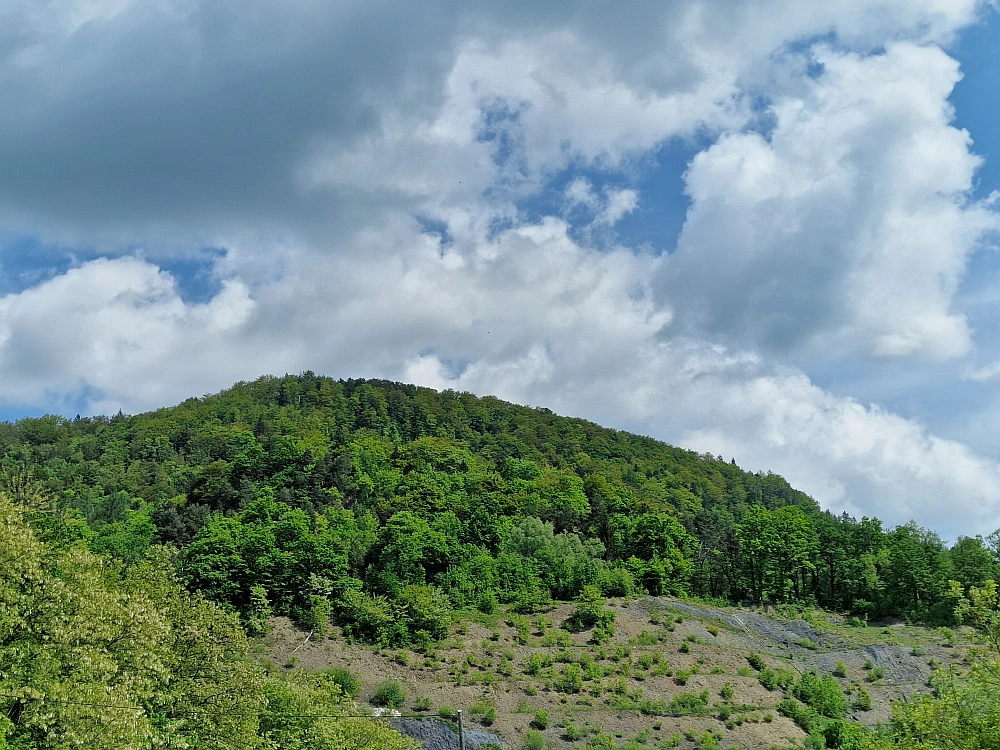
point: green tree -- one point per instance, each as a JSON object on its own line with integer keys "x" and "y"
{"x": 777, "y": 548}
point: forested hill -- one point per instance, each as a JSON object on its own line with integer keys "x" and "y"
{"x": 387, "y": 507}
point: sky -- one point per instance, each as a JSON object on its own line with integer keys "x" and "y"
{"x": 762, "y": 229}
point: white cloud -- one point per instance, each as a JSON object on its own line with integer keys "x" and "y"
{"x": 115, "y": 332}
{"x": 983, "y": 374}
{"x": 312, "y": 151}
{"x": 619, "y": 203}
{"x": 851, "y": 222}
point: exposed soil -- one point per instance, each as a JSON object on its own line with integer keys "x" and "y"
{"x": 658, "y": 644}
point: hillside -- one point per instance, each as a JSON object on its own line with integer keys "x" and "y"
{"x": 675, "y": 673}
{"x": 379, "y": 486}
{"x": 393, "y": 524}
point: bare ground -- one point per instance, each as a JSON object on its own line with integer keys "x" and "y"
{"x": 485, "y": 662}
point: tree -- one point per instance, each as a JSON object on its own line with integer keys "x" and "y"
{"x": 778, "y": 548}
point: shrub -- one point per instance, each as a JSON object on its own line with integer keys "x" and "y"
{"x": 727, "y": 692}
{"x": 616, "y": 582}
{"x": 773, "y": 679}
{"x": 487, "y": 603}
{"x": 534, "y": 740}
{"x": 368, "y": 618}
{"x": 483, "y": 712}
{"x": 259, "y": 612}
{"x": 447, "y": 712}
{"x": 570, "y": 680}
{"x": 841, "y": 734}
{"x": 540, "y": 720}
{"x": 590, "y": 611}
{"x": 807, "y": 718}
{"x": 347, "y": 680}
{"x": 949, "y": 637}
{"x": 426, "y": 609}
{"x": 863, "y": 701}
{"x": 422, "y": 704}
{"x": 755, "y": 661}
{"x": 317, "y": 616}
{"x": 388, "y": 694}
{"x": 534, "y": 664}
{"x": 689, "y": 704}
{"x": 822, "y": 694}
{"x": 840, "y": 670}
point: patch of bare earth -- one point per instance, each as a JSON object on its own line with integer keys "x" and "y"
{"x": 661, "y": 650}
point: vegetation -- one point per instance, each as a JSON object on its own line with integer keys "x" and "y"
{"x": 99, "y": 654}
{"x": 389, "y": 506}
{"x": 141, "y": 548}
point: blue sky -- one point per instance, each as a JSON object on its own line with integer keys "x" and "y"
{"x": 758, "y": 228}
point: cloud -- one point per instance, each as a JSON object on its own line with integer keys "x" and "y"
{"x": 983, "y": 374}
{"x": 393, "y": 189}
{"x": 113, "y": 332}
{"x": 850, "y": 222}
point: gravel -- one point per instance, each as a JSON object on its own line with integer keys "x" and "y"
{"x": 437, "y": 735}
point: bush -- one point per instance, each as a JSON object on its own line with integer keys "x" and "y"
{"x": 807, "y": 718}
{"x": 840, "y": 670}
{"x": 540, "y": 720}
{"x": 422, "y": 703}
{"x": 571, "y": 732}
{"x": 755, "y": 661}
{"x": 483, "y": 712}
{"x": 447, "y": 712}
{"x": 317, "y": 616}
{"x": 590, "y": 611}
{"x": 773, "y": 679}
{"x": 822, "y": 694}
{"x": 347, "y": 680}
{"x": 863, "y": 701}
{"x": 367, "y": 618}
{"x": 570, "y": 680}
{"x": 259, "y": 612}
{"x": 616, "y": 582}
{"x": 689, "y": 704}
{"x": 841, "y": 734}
{"x": 426, "y": 609}
{"x": 487, "y": 603}
{"x": 534, "y": 740}
{"x": 388, "y": 694}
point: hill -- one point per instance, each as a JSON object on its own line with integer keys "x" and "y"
{"x": 371, "y": 487}
{"x": 404, "y": 521}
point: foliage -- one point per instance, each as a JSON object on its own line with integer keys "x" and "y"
{"x": 346, "y": 680}
{"x": 540, "y": 720}
{"x": 388, "y": 694}
{"x": 407, "y": 504}
{"x": 822, "y": 694}
{"x": 101, "y": 654}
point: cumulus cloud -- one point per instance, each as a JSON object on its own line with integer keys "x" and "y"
{"x": 112, "y": 332}
{"x": 850, "y": 222}
{"x": 395, "y": 189}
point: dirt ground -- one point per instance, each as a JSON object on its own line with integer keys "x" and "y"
{"x": 661, "y": 649}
